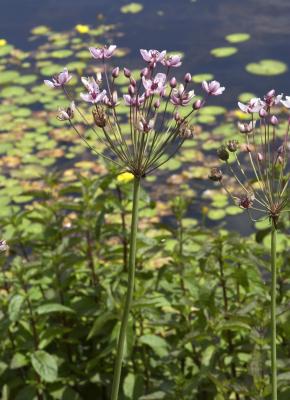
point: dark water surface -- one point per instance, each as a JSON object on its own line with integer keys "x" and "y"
{"x": 193, "y": 27}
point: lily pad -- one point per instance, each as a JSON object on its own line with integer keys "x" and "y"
{"x": 40, "y": 30}
{"x": 267, "y": 67}
{"x": 198, "y": 78}
{"x": 238, "y": 37}
{"x": 8, "y": 76}
{"x": 220, "y": 52}
{"x": 132, "y": 8}
{"x": 246, "y": 96}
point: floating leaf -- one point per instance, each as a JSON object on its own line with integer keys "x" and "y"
{"x": 267, "y": 67}
{"x": 198, "y": 78}
{"x": 238, "y": 37}
{"x": 132, "y": 8}
{"x": 40, "y": 30}
{"x": 223, "y": 51}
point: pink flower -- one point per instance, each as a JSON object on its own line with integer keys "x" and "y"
{"x": 155, "y": 86}
{"x": 59, "y": 80}
{"x": 246, "y": 127}
{"x": 153, "y": 56}
{"x": 271, "y": 99}
{"x": 68, "y": 114}
{"x": 102, "y": 53}
{"x": 134, "y": 101}
{"x": 213, "y": 88}
{"x": 112, "y": 100}
{"x": 254, "y": 105}
{"x": 145, "y": 126}
{"x": 180, "y": 97}
{"x": 94, "y": 94}
{"x": 172, "y": 61}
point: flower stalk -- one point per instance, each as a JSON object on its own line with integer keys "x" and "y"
{"x": 273, "y": 311}
{"x": 130, "y": 290}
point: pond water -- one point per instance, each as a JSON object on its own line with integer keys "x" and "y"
{"x": 193, "y": 27}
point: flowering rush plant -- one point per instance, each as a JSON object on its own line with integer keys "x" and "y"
{"x": 264, "y": 185}
{"x": 157, "y": 127}
{"x": 159, "y": 116}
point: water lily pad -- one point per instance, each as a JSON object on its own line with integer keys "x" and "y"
{"x": 246, "y": 96}
{"x": 61, "y": 53}
{"x": 13, "y": 91}
{"x": 220, "y": 52}
{"x": 4, "y": 50}
{"x": 213, "y": 110}
{"x": 216, "y": 214}
{"x": 132, "y": 8}
{"x": 267, "y": 67}
{"x": 238, "y": 37}
{"x": 27, "y": 79}
{"x": 198, "y": 78}
{"x": 40, "y": 30}
{"x": 8, "y": 76}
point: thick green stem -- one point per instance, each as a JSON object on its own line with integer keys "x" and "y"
{"x": 273, "y": 312}
{"x": 130, "y": 290}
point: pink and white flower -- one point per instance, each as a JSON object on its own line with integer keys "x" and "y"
{"x": 102, "y": 53}
{"x": 59, "y": 80}
{"x": 67, "y": 114}
{"x": 246, "y": 127}
{"x": 254, "y": 105}
{"x": 134, "y": 101}
{"x": 181, "y": 97}
{"x": 213, "y": 88}
{"x": 271, "y": 99}
{"x": 172, "y": 61}
{"x": 155, "y": 85}
{"x": 94, "y": 95}
{"x": 152, "y": 56}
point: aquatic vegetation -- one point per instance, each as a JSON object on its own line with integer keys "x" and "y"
{"x": 264, "y": 183}
{"x": 267, "y": 67}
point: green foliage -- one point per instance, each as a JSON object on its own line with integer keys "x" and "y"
{"x": 200, "y": 321}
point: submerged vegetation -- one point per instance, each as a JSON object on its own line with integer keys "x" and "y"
{"x": 198, "y": 325}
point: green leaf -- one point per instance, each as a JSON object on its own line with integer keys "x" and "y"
{"x": 18, "y": 361}
{"x": 154, "y": 396}
{"x": 45, "y": 365}
{"x": 99, "y": 323}
{"x": 220, "y": 52}
{"x": 132, "y": 8}
{"x": 52, "y": 308}
{"x": 158, "y": 344}
{"x": 238, "y": 37}
{"x": 14, "y": 307}
{"x": 267, "y": 67}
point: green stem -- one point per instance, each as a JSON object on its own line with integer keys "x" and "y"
{"x": 130, "y": 290}
{"x": 273, "y": 311}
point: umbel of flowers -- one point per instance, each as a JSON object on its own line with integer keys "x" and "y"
{"x": 262, "y": 178}
{"x": 159, "y": 117}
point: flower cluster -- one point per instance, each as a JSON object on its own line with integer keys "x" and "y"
{"x": 264, "y": 185}
{"x": 159, "y": 109}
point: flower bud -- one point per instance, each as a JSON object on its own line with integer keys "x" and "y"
{"x": 177, "y": 116}
{"x": 115, "y": 72}
{"x": 131, "y": 90}
{"x": 133, "y": 82}
{"x": 127, "y": 72}
{"x": 157, "y": 103}
{"x": 198, "y": 104}
{"x": 215, "y": 175}
{"x": 173, "y": 83}
{"x": 274, "y": 120}
{"x": 263, "y": 113}
{"x": 144, "y": 72}
{"x": 260, "y": 157}
{"x": 233, "y": 146}
{"x": 223, "y": 154}
{"x": 187, "y": 77}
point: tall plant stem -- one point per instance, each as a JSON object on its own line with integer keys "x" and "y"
{"x": 130, "y": 290}
{"x": 273, "y": 311}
